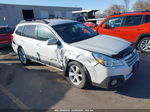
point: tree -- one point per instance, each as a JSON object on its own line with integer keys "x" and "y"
{"x": 126, "y": 5}
{"x": 115, "y": 8}
{"x": 141, "y": 5}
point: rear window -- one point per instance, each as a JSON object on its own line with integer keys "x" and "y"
{"x": 147, "y": 19}
{"x": 5, "y": 30}
{"x": 19, "y": 30}
{"x": 133, "y": 20}
{"x": 29, "y": 31}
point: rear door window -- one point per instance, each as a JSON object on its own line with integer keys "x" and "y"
{"x": 133, "y": 20}
{"x": 29, "y": 31}
{"x": 147, "y": 18}
{"x": 44, "y": 33}
{"x": 19, "y": 30}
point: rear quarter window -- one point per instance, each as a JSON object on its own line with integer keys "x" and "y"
{"x": 19, "y": 30}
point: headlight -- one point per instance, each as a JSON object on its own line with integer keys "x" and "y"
{"x": 107, "y": 61}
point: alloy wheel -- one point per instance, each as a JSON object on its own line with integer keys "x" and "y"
{"x": 22, "y": 56}
{"x": 75, "y": 75}
{"x": 145, "y": 45}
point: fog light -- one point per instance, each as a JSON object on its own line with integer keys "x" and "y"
{"x": 114, "y": 82}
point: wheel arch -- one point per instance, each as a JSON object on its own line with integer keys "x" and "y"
{"x": 19, "y": 48}
{"x": 71, "y": 60}
{"x": 141, "y": 36}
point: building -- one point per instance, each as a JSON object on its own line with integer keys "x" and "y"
{"x": 11, "y": 14}
{"x": 88, "y": 14}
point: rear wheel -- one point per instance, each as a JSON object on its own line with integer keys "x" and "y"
{"x": 77, "y": 75}
{"x": 144, "y": 45}
{"x": 22, "y": 57}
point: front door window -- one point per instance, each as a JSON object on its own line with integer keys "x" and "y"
{"x": 114, "y": 22}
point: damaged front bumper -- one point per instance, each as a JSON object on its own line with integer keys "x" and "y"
{"x": 111, "y": 82}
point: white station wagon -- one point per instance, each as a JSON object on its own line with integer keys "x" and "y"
{"x": 85, "y": 56}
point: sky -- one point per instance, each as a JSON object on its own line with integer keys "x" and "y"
{"x": 85, "y": 4}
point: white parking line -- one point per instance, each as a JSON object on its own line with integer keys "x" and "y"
{"x": 16, "y": 100}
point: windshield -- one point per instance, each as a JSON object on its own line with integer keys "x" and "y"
{"x": 5, "y": 30}
{"x": 73, "y": 32}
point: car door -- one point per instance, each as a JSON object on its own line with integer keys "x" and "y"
{"x": 47, "y": 53}
{"x": 147, "y": 23}
{"x": 132, "y": 27}
{"x": 29, "y": 39}
{"x": 113, "y": 26}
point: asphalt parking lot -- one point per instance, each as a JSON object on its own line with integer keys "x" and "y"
{"x": 40, "y": 87}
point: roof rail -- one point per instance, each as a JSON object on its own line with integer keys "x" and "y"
{"x": 39, "y": 20}
{"x": 147, "y": 10}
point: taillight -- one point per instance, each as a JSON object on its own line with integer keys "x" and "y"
{"x": 11, "y": 36}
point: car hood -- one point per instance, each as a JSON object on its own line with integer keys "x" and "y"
{"x": 104, "y": 44}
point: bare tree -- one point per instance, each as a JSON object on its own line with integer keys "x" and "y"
{"x": 126, "y": 5}
{"x": 141, "y": 5}
{"x": 115, "y": 8}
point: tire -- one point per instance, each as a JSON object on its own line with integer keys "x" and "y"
{"x": 22, "y": 57}
{"x": 144, "y": 45}
{"x": 77, "y": 75}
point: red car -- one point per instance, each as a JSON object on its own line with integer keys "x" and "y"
{"x": 90, "y": 24}
{"x": 5, "y": 36}
{"x": 134, "y": 27}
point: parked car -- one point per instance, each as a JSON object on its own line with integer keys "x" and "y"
{"x": 90, "y": 24}
{"x": 134, "y": 27}
{"x": 84, "y": 56}
{"x": 5, "y": 36}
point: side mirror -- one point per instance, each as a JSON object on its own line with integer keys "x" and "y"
{"x": 104, "y": 26}
{"x": 52, "y": 41}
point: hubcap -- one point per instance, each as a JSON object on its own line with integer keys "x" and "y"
{"x": 145, "y": 45}
{"x": 75, "y": 75}
{"x": 22, "y": 56}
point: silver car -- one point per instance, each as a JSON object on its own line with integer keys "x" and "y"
{"x": 85, "y": 56}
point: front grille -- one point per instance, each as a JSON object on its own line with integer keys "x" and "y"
{"x": 131, "y": 58}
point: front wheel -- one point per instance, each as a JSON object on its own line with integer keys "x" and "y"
{"x": 144, "y": 45}
{"x": 22, "y": 57}
{"x": 77, "y": 75}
